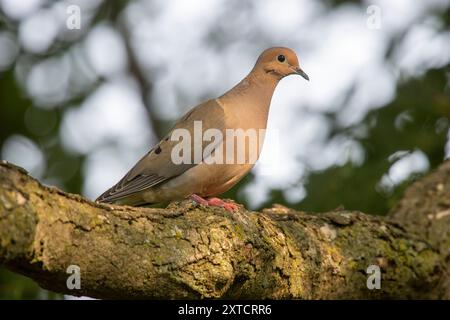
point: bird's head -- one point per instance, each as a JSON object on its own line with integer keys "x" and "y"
{"x": 279, "y": 62}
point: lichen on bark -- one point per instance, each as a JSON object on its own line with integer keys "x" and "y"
{"x": 188, "y": 251}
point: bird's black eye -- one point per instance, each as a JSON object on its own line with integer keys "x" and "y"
{"x": 281, "y": 58}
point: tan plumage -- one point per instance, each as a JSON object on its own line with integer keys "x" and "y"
{"x": 156, "y": 178}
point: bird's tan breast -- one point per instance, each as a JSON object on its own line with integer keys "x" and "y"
{"x": 206, "y": 180}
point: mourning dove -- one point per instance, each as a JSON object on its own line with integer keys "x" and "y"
{"x": 158, "y": 178}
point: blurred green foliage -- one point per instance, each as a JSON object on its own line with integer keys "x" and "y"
{"x": 416, "y": 119}
{"x": 14, "y": 286}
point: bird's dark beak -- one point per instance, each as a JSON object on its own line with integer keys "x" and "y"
{"x": 302, "y": 73}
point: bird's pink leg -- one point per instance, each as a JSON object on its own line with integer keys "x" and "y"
{"x": 215, "y": 202}
{"x": 198, "y": 199}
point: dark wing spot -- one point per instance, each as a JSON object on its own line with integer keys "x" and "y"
{"x": 158, "y": 150}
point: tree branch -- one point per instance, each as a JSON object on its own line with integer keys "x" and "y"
{"x": 188, "y": 251}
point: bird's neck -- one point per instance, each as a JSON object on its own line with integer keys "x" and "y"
{"x": 253, "y": 93}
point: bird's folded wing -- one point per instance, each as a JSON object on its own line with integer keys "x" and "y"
{"x": 158, "y": 166}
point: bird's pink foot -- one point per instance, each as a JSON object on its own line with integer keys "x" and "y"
{"x": 229, "y": 206}
{"x": 198, "y": 199}
{"x": 215, "y": 202}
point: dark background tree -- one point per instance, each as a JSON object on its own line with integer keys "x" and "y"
{"x": 50, "y": 75}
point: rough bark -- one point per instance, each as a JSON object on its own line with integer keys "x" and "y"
{"x": 188, "y": 251}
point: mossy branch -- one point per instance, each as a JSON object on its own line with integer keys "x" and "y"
{"x": 188, "y": 251}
